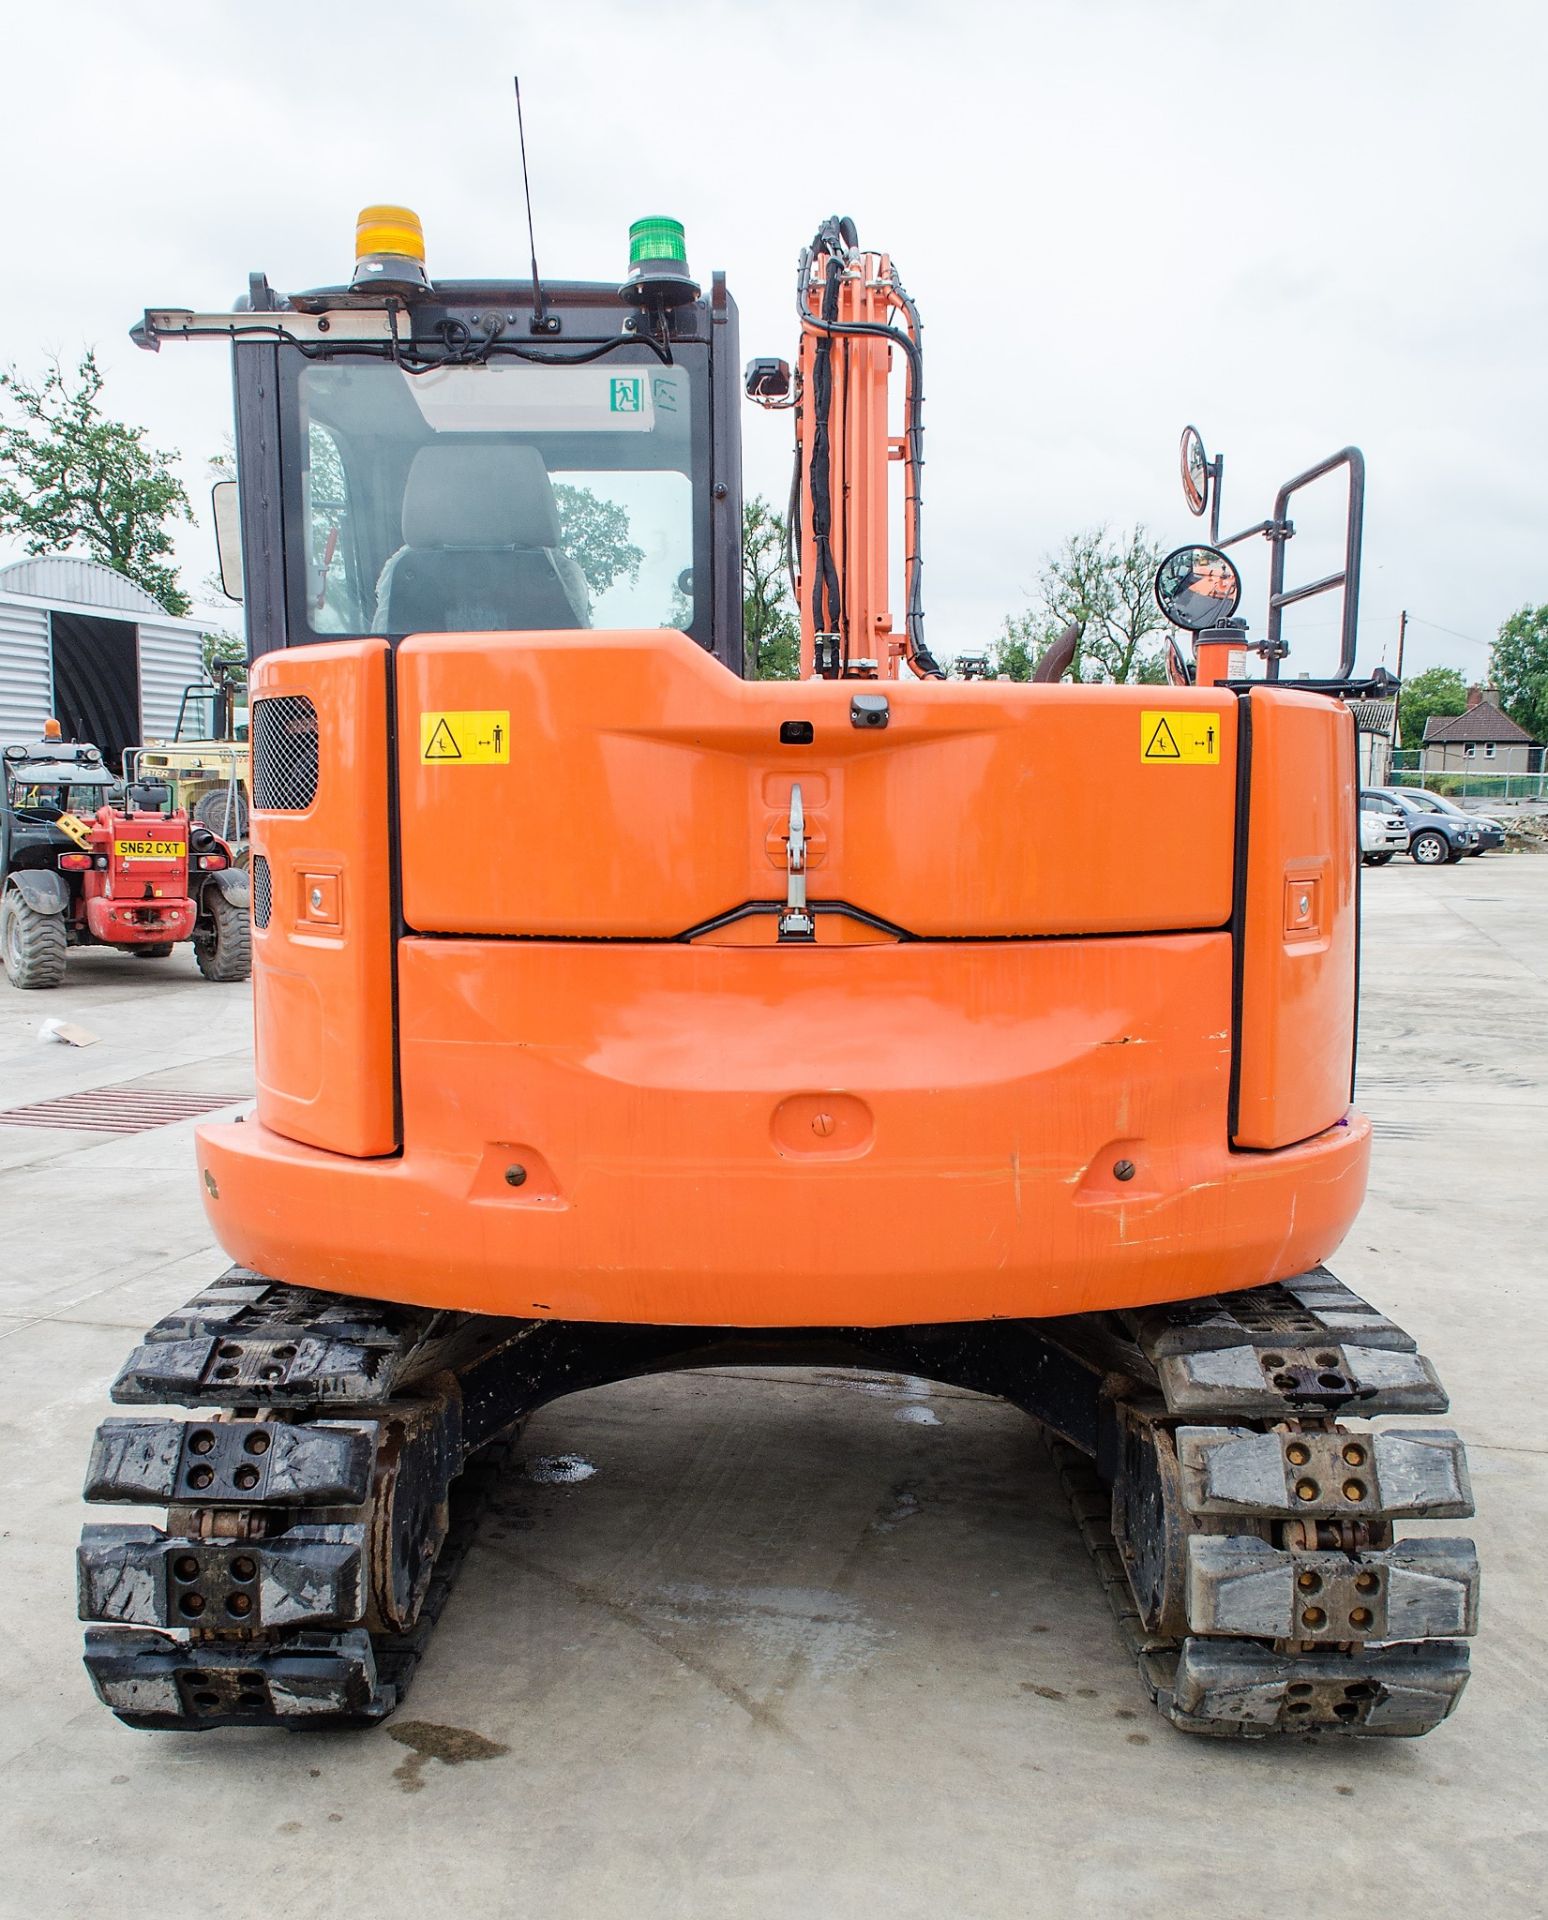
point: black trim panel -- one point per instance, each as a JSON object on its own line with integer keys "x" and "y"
{"x": 1239, "y": 904}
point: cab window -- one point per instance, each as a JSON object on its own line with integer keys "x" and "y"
{"x": 505, "y": 496}
{"x": 332, "y": 588}
{"x": 631, "y": 535}
{"x": 45, "y": 796}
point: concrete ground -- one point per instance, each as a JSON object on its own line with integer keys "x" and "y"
{"x": 807, "y": 1646}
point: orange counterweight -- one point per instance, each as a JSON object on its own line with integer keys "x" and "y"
{"x": 999, "y": 1083}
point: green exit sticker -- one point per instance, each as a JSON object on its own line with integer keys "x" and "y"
{"x": 627, "y": 396}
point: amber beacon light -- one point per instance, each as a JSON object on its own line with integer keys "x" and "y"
{"x": 389, "y": 251}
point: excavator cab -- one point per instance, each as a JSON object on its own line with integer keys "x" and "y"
{"x": 464, "y": 463}
{"x": 615, "y": 1012}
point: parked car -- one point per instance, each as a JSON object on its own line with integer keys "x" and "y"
{"x": 1383, "y": 829}
{"x": 1491, "y": 833}
{"x": 1434, "y": 836}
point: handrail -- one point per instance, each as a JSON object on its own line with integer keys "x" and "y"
{"x": 1279, "y": 530}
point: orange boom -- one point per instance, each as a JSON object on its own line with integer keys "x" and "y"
{"x": 615, "y": 1011}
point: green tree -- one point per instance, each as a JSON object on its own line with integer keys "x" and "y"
{"x": 1518, "y": 666}
{"x": 1075, "y": 590}
{"x": 1015, "y": 652}
{"x": 1438, "y": 690}
{"x": 69, "y": 477}
{"x": 230, "y": 649}
{"x": 595, "y": 534}
{"x": 771, "y": 629}
{"x": 1131, "y": 615}
{"x": 1102, "y": 585}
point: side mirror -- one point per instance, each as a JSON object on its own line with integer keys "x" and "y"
{"x": 1197, "y": 587}
{"x": 1195, "y": 470}
{"x": 768, "y": 380}
{"x": 228, "y": 536}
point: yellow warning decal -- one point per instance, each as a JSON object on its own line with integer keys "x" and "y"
{"x": 150, "y": 849}
{"x": 1172, "y": 739}
{"x": 481, "y": 739}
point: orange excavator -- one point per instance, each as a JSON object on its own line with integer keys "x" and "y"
{"x": 618, "y": 1013}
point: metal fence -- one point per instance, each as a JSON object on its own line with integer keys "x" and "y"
{"x": 1462, "y": 783}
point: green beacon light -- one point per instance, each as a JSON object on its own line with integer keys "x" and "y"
{"x": 658, "y": 265}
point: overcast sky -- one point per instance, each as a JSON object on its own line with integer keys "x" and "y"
{"x": 1297, "y": 225}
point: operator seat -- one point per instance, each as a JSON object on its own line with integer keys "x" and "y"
{"x": 480, "y": 547}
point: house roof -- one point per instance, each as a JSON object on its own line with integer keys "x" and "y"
{"x": 1485, "y": 721}
{"x": 1375, "y": 716}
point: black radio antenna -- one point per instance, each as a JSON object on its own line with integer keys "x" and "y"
{"x": 542, "y": 321}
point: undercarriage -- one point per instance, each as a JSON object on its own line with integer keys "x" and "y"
{"x": 323, "y": 1495}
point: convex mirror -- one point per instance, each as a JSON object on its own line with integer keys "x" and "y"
{"x": 1197, "y": 587}
{"x": 1195, "y": 470}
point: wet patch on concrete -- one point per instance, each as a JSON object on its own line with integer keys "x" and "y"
{"x": 450, "y": 1745}
{"x": 904, "y": 1505}
{"x": 559, "y": 1470}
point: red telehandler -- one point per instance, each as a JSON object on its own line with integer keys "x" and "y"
{"x": 79, "y": 867}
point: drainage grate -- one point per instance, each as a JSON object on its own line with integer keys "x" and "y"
{"x": 118, "y": 1109}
